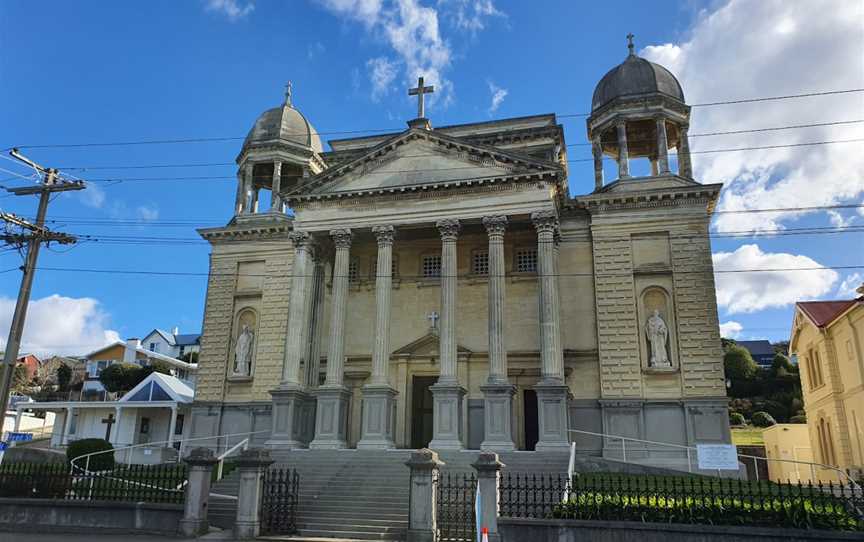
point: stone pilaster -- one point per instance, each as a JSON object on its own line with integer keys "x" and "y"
{"x": 662, "y": 147}
{"x": 623, "y": 153}
{"x": 498, "y": 392}
{"x": 331, "y": 416}
{"x": 685, "y": 167}
{"x": 276, "y": 187}
{"x": 290, "y": 399}
{"x": 447, "y": 393}
{"x": 597, "y": 151}
{"x": 378, "y": 397}
{"x": 551, "y": 391}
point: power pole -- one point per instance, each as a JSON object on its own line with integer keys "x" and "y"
{"x": 33, "y": 237}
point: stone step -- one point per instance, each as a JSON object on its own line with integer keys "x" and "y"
{"x": 351, "y": 535}
{"x": 343, "y": 515}
{"x": 365, "y": 526}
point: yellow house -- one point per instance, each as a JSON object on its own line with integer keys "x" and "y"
{"x": 828, "y": 341}
{"x": 786, "y": 444}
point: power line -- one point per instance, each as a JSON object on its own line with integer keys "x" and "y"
{"x": 399, "y": 129}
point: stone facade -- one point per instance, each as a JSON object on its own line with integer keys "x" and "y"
{"x": 457, "y": 245}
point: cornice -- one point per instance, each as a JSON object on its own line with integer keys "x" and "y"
{"x": 256, "y": 231}
{"x": 696, "y": 195}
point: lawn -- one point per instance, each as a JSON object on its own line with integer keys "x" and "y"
{"x": 749, "y": 436}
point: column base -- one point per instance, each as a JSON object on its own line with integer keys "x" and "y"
{"x": 193, "y": 528}
{"x": 552, "y": 410}
{"x": 331, "y": 418}
{"x": 447, "y": 416}
{"x": 378, "y": 417}
{"x": 498, "y": 417}
{"x": 291, "y": 428}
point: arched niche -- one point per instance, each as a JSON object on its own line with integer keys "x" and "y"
{"x": 244, "y": 344}
{"x": 657, "y": 298}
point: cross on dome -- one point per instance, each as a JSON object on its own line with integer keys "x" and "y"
{"x": 630, "y": 37}
{"x": 288, "y": 93}
{"x": 419, "y": 92}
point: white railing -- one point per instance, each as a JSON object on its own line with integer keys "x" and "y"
{"x": 242, "y": 444}
{"x": 571, "y": 469}
{"x": 690, "y": 449}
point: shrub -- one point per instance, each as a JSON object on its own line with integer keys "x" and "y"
{"x": 88, "y": 446}
{"x": 800, "y": 418}
{"x": 736, "y": 418}
{"x": 120, "y": 377}
{"x": 776, "y": 409}
{"x": 739, "y": 363}
{"x": 64, "y": 376}
{"x": 763, "y": 419}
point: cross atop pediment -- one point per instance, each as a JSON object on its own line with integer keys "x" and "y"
{"x": 420, "y": 91}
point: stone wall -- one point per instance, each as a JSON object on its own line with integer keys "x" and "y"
{"x": 551, "y": 530}
{"x": 57, "y": 516}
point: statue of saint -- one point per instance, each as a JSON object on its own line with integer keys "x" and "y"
{"x": 658, "y": 334}
{"x": 243, "y": 351}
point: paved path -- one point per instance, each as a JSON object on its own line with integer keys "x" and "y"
{"x": 52, "y": 537}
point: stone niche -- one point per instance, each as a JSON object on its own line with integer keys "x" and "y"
{"x": 245, "y": 328}
{"x": 653, "y": 293}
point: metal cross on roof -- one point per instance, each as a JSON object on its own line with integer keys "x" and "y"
{"x": 419, "y": 92}
{"x": 630, "y": 37}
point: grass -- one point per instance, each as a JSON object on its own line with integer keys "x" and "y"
{"x": 750, "y": 436}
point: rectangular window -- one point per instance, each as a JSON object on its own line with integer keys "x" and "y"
{"x": 394, "y": 267}
{"x": 480, "y": 262}
{"x": 526, "y": 260}
{"x": 353, "y": 271}
{"x": 178, "y": 427}
{"x": 431, "y": 267}
{"x": 817, "y": 364}
{"x": 153, "y": 347}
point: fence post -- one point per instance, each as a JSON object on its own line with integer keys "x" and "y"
{"x": 423, "y": 505}
{"x": 488, "y": 469}
{"x": 194, "y": 522}
{"x": 252, "y": 465}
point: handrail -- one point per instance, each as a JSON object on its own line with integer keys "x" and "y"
{"x": 242, "y": 444}
{"x": 692, "y": 448}
{"x": 571, "y": 468}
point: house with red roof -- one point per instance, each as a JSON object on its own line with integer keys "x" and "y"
{"x": 828, "y": 341}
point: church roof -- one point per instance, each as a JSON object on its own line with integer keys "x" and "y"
{"x": 634, "y": 77}
{"x": 822, "y": 313}
{"x": 284, "y": 124}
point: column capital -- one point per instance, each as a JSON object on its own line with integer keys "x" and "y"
{"x": 342, "y": 237}
{"x": 448, "y": 228}
{"x": 495, "y": 225}
{"x": 545, "y": 221}
{"x": 384, "y": 234}
{"x": 301, "y": 239}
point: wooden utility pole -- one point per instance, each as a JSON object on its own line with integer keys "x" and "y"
{"x": 33, "y": 235}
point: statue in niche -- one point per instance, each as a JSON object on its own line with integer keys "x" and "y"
{"x": 243, "y": 351}
{"x": 657, "y": 334}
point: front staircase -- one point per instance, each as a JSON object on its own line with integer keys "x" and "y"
{"x": 363, "y": 494}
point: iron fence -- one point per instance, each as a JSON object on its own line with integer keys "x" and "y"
{"x": 531, "y": 495}
{"x": 456, "y": 517}
{"x": 684, "y": 499}
{"x": 279, "y": 505}
{"x": 129, "y": 483}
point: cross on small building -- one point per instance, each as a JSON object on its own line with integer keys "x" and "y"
{"x": 109, "y": 421}
{"x": 419, "y": 92}
{"x": 630, "y": 37}
{"x": 433, "y": 319}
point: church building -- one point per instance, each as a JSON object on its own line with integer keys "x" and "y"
{"x": 442, "y": 287}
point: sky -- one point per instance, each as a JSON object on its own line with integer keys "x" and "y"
{"x": 109, "y": 72}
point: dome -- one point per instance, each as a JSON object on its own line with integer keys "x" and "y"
{"x": 633, "y": 77}
{"x": 286, "y": 124}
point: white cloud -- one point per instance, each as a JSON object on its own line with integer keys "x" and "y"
{"x": 232, "y": 9}
{"x": 730, "y": 329}
{"x": 498, "y": 95}
{"x": 382, "y": 72}
{"x": 314, "y": 50}
{"x": 147, "y": 213}
{"x": 413, "y": 33}
{"x": 92, "y": 196}
{"x": 59, "y": 325}
{"x": 748, "y": 49}
{"x": 471, "y": 15}
{"x": 847, "y": 288}
{"x": 839, "y": 220}
{"x": 750, "y": 292}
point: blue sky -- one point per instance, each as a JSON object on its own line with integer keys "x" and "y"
{"x": 131, "y": 71}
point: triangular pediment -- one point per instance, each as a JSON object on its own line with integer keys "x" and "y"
{"x": 426, "y": 346}
{"x": 420, "y": 158}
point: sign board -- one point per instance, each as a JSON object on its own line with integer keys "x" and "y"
{"x": 20, "y": 437}
{"x": 717, "y": 456}
{"x": 3, "y": 446}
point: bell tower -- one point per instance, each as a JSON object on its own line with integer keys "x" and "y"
{"x": 638, "y": 111}
{"x": 280, "y": 152}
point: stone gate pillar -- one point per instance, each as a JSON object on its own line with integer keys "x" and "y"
{"x": 252, "y": 465}
{"x": 488, "y": 469}
{"x": 194, "y": 522}
{"x": 422, "y": 526}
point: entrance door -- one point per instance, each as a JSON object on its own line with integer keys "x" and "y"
{"x": 532, "y": 429}
{"x": 421, "y": 411}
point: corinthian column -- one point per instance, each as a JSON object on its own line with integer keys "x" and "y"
{"x": 447, "y": 393}
{"x": 551, "y": 390}
{"x": 290, "y": 399}
{"x": 497, "y": 392}
{"x": 623, "y": 153}
{"x": 662, "y": 147}
{"x": 378, "y": 396}
{"x": 597, "y": 151}
{"x": 276, "y": 187}
{"x": 331, "y": 418}
{"x": 685, "y": 167}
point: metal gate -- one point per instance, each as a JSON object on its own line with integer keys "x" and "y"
{"x": 279, "y": 505}
{"x": 456, "y": 516}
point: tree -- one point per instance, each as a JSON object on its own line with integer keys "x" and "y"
{"x": 120, "y": 377}
{"x": 19, "y": 383}
{"x": 763, "y": 419}
{"x": 190, "y": 357}
{"x": 739, "y": 363}
{"x": 64, "y": 376}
